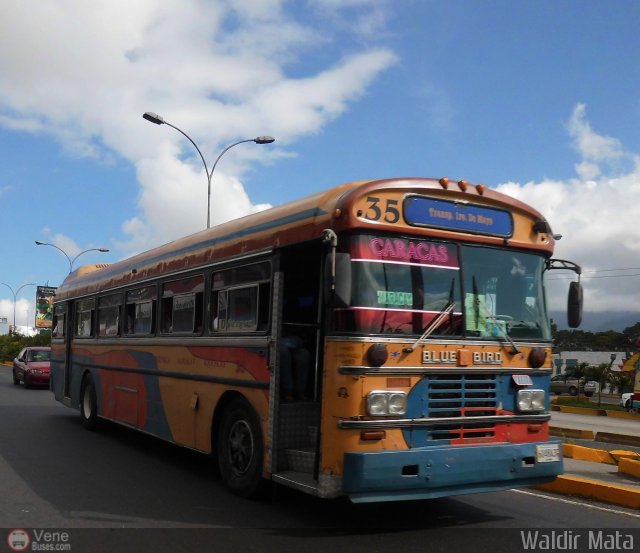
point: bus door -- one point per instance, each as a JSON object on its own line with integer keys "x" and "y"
{"x": 68, "y": 334}
{"x": 299, "y": 358}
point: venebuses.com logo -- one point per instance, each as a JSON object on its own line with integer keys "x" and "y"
{"x": 19, "y": 539}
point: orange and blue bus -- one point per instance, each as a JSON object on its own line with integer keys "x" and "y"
{"x": 382, "y": 340}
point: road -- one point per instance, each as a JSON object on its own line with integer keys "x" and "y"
{"x": 117, "y": 490}
{"x": 596, "y": 424}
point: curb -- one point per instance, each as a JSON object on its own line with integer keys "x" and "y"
{"x": 581, "y": 453}
{"x": 629, "y": 466}
{"x": 607, "y": 437}
{"x": 572, "y": 433}
{"x": 574, "y": 485}
{"x": 595, "y": 412}
{"x": 628, "y": 463}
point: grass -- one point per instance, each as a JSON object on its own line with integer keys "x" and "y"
{"x": 587, "y": 404}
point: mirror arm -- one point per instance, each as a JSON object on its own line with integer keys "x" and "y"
{"x": 330, "y": 237}
{"x": 558, "y": 264}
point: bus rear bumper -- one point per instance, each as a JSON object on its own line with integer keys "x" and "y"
{"x": 442, "y": 471}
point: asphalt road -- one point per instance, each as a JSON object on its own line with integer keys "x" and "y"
{"x": 117, "y": 490}
{"x": 596, "y": 424}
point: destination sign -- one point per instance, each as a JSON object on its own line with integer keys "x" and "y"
{"x": 458, "y": 216}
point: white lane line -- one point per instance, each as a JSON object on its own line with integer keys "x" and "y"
{"x": 579, "y": 503}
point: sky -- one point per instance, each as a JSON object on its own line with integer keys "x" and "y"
{"x": 538, "y": 99}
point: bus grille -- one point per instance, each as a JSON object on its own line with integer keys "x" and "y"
{"x": 463, "y": 397}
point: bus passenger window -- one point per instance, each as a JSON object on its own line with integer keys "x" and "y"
{"x": 185, "y": 313}
{"x": 143, "y": 320}
{"x": 183, "y": 305}
{"x": 242, "y": 310}
{"x": 84, "y": 318}
{"x": 166, "y": 326}
{"x": 140, "y": 311}
{"x": 240, "y": 299}
{"x": 57, "y": 325}
{"x": 109, "y": 315}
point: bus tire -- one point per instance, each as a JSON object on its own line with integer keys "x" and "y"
{"x": 88, "y": 404}
{"x": 240, "y": 449}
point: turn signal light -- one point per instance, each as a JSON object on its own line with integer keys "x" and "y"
{"x": 537, "y": 357}
{"x": 377, "y": 355}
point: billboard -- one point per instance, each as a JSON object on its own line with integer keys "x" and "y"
{"x": 44, "y": 306}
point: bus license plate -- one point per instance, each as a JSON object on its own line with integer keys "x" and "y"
{"x": 547, "y": 453}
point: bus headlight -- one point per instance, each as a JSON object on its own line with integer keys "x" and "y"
{"x": 383, "y": 402}
{"x": 530, "y": 401}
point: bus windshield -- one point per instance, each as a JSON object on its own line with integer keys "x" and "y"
{"x": 405, "y": 285}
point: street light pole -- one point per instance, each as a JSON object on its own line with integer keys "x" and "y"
{"x": 69, "y": 259}
{"x": 159, "y": 120}
{"x": 15, "y": 295}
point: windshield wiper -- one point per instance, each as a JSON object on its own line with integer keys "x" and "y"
{"x": 505, "y": 335}
{"x": 431, "y": 328}
{"x": 477, "y": 306}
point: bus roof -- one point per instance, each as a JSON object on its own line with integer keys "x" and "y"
{"x": 302, "y": 220}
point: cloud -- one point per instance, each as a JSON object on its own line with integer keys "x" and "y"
{"x": 219, "y": 70}
{"x": 592, "y": 212}
{"x": 25, "y": 311}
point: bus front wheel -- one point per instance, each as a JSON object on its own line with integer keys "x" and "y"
{"x": 88, "y": 404}
{"x": 240, "y": 449}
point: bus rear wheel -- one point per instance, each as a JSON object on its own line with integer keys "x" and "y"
{"x": 240, "y": 449}
{"x": 88, "y": 404}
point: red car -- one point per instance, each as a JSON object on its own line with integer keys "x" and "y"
{"x": 32, "y": 366}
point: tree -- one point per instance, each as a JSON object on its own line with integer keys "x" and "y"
{"x": 579, "y": 372}
{"x": 622, "y": 381}
{"x": 600, "y": 374}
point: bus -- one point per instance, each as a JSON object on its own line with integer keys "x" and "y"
{"x": 383, "y": 340}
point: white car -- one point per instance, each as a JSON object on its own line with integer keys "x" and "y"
{"x": 625, "y": 400}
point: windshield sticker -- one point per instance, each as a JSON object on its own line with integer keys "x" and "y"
{"x": 404, "y": 299}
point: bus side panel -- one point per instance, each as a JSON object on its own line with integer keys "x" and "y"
{"x": 57, "y": 370}
{"x": 208, "y": 373}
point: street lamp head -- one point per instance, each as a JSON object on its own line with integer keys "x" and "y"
{"x": 153, "y": 117}
{"x": 264, "y": 140}
{"x": 103, "y": 250}
{"x": 39, "y": 243}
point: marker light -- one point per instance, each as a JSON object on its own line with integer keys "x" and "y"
{"x": 384, "y": 403}
{"x": 462, "y": 184}
{"x": 377, "y": 355}
{"x": 537, "y": 357}
{"x": 531, "y": 401}
{"x": 444, "y": 182}
{"x": 480, "y": 188}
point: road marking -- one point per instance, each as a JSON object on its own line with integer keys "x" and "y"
{"x": 581, "y": 504}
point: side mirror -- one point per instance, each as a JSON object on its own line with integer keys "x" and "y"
{"x": 574, "y": 305}
{"x": 338, "y": 284}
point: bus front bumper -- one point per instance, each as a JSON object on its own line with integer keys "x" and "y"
{"x": 442, "y": 471}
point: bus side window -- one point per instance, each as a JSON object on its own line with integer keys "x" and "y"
{"x": 140, "y": 311}
{"x": 109, "y": 315}
{"x": 84, "y": 318}
{"x": 241, "y": 299}
{"x": 182, "y": 305}
{"x": 143, "y": 321}
{"x": 58, "y": 323}
{"x": 166, "y": 306}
